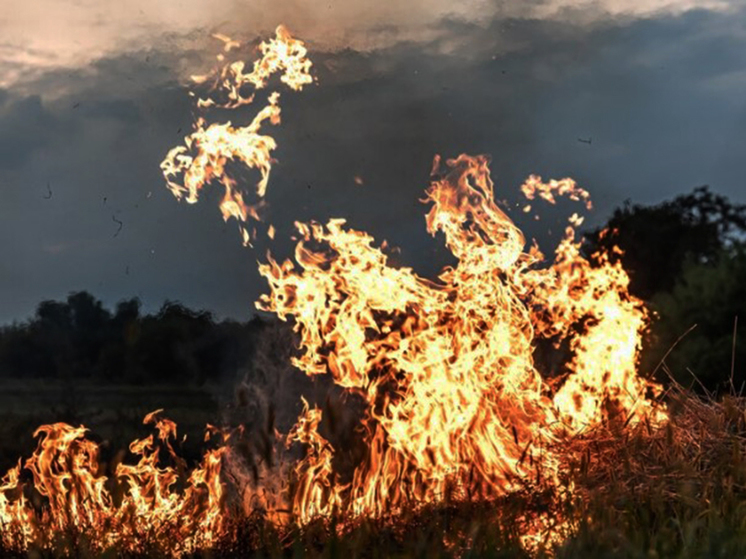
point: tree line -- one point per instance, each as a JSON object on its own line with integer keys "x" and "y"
{"x": 80, "y": 339}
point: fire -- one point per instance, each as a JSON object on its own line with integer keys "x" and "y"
{"x": 455, "y": 403}
{"x": 566, "y": 187}
{"x": 456, "y": 406}
{"x": 79, "y": 501}
{"x": 211, "y": 147}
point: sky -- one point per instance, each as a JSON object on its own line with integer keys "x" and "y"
{"x": 93, "y": 94}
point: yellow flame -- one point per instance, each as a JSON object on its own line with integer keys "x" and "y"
{"x": 209, "y": 149}
{"x": 78, "y": 500}
{"x": 565, "y": 187}
{"x": 455, "y": 402}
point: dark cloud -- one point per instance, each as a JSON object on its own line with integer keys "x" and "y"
{"x": 25, "y": 126}
{"x": 662, "y": 100}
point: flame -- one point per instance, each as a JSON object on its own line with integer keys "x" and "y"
{"x": 211, "y": 147}
{"x": 78, "y": 500}
{"x": 455, "y": 403}
{"x": 547, "y": 190}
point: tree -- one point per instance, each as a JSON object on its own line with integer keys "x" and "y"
{"x": 79, "y": 339}
{"x": 658, "y": 240}
{"x": 711, "y": 296}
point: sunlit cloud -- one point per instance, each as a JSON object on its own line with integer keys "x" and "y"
{"x": 43, "y": 35}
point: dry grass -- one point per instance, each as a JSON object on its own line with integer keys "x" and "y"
{"x": 679, "y": 491}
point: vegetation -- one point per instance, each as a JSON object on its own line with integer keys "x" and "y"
{"x": 709, "y": 298}
{"x": 658, "y": 241}
{"x": 80, "y": 339}
{"x": 638, "y": 493}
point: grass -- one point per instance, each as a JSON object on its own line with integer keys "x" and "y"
{"x": 676, "y": 492}
{"x": 113, "y": 413}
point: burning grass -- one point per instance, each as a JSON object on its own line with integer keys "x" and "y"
{"x": 675, "y": 491}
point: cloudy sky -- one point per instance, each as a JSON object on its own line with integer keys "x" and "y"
{"x": 93, "y": 95}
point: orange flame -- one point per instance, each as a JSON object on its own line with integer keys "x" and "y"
{"x": 547, "y": 190}
{"x": 78, "y": 500}
{"x": 209, "y": 148}
{"x": 455, "y": 403}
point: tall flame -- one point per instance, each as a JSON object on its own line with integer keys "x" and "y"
{"x": 454, "y": 400}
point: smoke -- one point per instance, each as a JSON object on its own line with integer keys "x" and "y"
{"x": 262, "y": 407}
{"x": 661, "y": 99}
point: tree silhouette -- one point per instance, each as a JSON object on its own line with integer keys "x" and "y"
{"x": 686, "y": 258}
{"x": 657, "y": 240}
{"x": 79, "y": 339}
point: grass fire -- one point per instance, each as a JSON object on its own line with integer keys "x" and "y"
{"x": 497, "y": 409}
